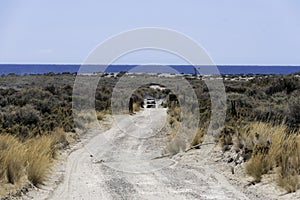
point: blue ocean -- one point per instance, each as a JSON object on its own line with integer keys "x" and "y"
{"x": 183, "y": 69}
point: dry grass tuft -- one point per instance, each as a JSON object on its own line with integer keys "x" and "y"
{"x": 86, "y": 119}
{"x": 226, "y": 138}
{"x": 136, "y": 107}
{"x": 289, "y": 164}
{"x": 175, "y": 146}
{"x": 257, "y": 166}
{"x": 30, "y": 160}
{"x": 198, "y": 139}
{"x": 290, "y": 182}
{"x": 273, "y": 147}
{"x": 11, "y": 159}
{"x": 39, "y": 155}
{"x": 101, "y": 115}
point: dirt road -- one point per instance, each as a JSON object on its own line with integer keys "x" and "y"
{"x": 119, "y": 164}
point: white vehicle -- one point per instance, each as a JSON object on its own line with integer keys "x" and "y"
{"x": 150, "y": 103}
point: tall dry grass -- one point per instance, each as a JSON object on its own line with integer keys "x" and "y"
{"x": 257, "y": 166}
{"x": 289, "y": 168}
{"x": 39, "y": 155}
{"x": 12, "y": 161}
{"x": 273, "y": 147}
{"x": 199, "y": 137}
{"x": 101, "y": 115}
{"x": 30, "y": 160}
{"x": 136, "y": 107}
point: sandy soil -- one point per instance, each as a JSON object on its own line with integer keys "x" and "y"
{"x": 119, "y": 164}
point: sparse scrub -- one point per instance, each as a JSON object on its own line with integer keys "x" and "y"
{"x": 285, "y": 84}
{"x": 293, "y": 116}
{"x": 262, "y": 114}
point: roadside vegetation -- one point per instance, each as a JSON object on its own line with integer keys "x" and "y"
{"x": 262, "y": 125}
{"x": 36, "y": 122}
{"x": 267, "y": 135}
{"x": 28, "y": 163}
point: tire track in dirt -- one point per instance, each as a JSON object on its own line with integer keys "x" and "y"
{"x": 104, "y": 176}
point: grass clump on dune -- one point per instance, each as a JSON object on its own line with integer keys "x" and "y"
{"x": 39, "y": 155}
{"x": 274, "y": 147}
{"x": 289, "y": 169}
{"x": 12, "y": 160}
{"x": 136, "y": 107}
{"x": 29, "y": 161}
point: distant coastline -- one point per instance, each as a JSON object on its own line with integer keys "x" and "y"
{"x": 180, "y": 69}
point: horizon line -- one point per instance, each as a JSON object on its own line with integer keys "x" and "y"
{"x": 155, "y": 64}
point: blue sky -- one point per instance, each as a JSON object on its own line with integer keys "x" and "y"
{"x": 232, "y": 31}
